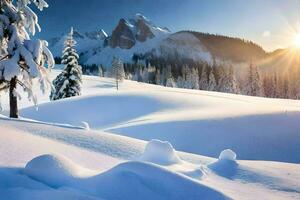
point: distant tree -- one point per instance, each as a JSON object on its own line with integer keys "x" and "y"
{"x": 203, "y": 84}
{"x": 268, "y": 85}
{"x": 158, "y": 77}
{"x": 169, "y": 77}
{"x": 228, "y": 82}
{"x": 101, "y": 71}
{"x": 21, "y": 58}
{"x": 118, "y": 71}
{"x": 212, "y": 84}
{"x": 286, "y": 87}
{"x": 192, "y": 80}
{"x": 253, "y": 84}
{"x": 68, "y": 82}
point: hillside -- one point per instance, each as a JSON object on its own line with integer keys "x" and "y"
{"x": 229, "y": 48}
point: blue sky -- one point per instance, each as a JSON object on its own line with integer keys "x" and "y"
{"x": 270, "y": 23}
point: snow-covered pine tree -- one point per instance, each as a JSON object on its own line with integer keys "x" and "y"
{"x": 203, "y": 83}
{"x": 253, "y": 84}
{"x": 228, "y": 82}
{"x": 169, "y": 77}
{"x": 180, "y": 82}
{"x": 157, "y": 77}
{"x": 195, "y": 78}
{"x": 118, "y": 71}
{"x": 212, "y": 84}
{"x": 286, "y": 86}
{"x": 22, "y": 58}
{"x": 68, "y": 82}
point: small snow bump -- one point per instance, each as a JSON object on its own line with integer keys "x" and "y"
{"x": 227, "y": 154}
{"x": 160, "y": 152}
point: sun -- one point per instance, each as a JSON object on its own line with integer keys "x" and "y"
{"x": 296, "y": 41}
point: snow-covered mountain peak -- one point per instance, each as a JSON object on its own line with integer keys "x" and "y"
{"x": 139, "y": 16}
{"x": 138, "y": 29}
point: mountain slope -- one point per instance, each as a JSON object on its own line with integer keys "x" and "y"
{"x": 138, "y": 35}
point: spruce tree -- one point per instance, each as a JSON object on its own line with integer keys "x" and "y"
{"x": 253, "y": 85}
{"x": 212, "y": 84}
{"x": 169, "y": 77}
{"x": 68, "y": 82}
{"x": 21, "y": 58}
{"x": 118, "y": 71}
{"x": 228, "y": 82}
{"x": 203, "y": 84}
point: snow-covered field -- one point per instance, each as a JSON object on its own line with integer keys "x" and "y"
{"x": 55, "y": 156}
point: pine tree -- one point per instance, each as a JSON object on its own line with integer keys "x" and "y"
{"x": 227, "y": 82}
{"x": 253, "y": 85}
{"x": 268, "y": 85}
{"x": 21, "y": 58}
{"x": 158, "y": 77}
{"x": 212, "y": 84}
{"x": 169, "y": 77}
{"x": 118, "y": 71}
{"x": 203, "y": 84}
{"x": 68, "y": 82}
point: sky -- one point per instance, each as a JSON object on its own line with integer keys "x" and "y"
{"x": 270, "y": 23}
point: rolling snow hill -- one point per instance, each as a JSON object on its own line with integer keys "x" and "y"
{"x": 193, "y": 121}
{"x": 53, "y": 155}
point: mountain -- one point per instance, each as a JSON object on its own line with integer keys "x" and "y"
{"x": 138, "y": 35}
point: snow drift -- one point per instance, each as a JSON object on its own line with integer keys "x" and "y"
{"x": 227, "y": 165}
{"x": 53, "y": 170}
{"x": 130, "y": 180}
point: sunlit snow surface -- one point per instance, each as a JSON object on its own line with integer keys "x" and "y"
{"x": 55, "y": 155}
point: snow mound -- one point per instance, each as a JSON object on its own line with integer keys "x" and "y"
{"x": 53, "y": 170}
{"x": 227, "y": 154}
{"x": 226, "y": 166}
{"x": 138, "y": 180}
{"x": 160, "y": 152}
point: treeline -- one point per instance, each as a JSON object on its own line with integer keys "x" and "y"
{"x": 214, "y": 76}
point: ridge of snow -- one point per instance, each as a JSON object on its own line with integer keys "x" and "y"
{"x": 125, "y": 178}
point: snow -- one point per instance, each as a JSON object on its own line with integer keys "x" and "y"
{"x": 51, "y": 156}
{"x": 193, "y": 121}
{"x": 227, "y": 154}
{"x": 160, "y": 152}
{"x": 163, "y": 44}
{"x": 120, "y": 182}
{"x": 105, "y": 55}
{"x": 86, "y": 125}
{"x": 53, "y": 170}
{"x": 186, "y": 45}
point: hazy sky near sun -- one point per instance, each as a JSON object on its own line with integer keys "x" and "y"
{"x": 270, "y": 23}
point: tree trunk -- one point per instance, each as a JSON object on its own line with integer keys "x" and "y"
{"x": 13, "y": 99}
